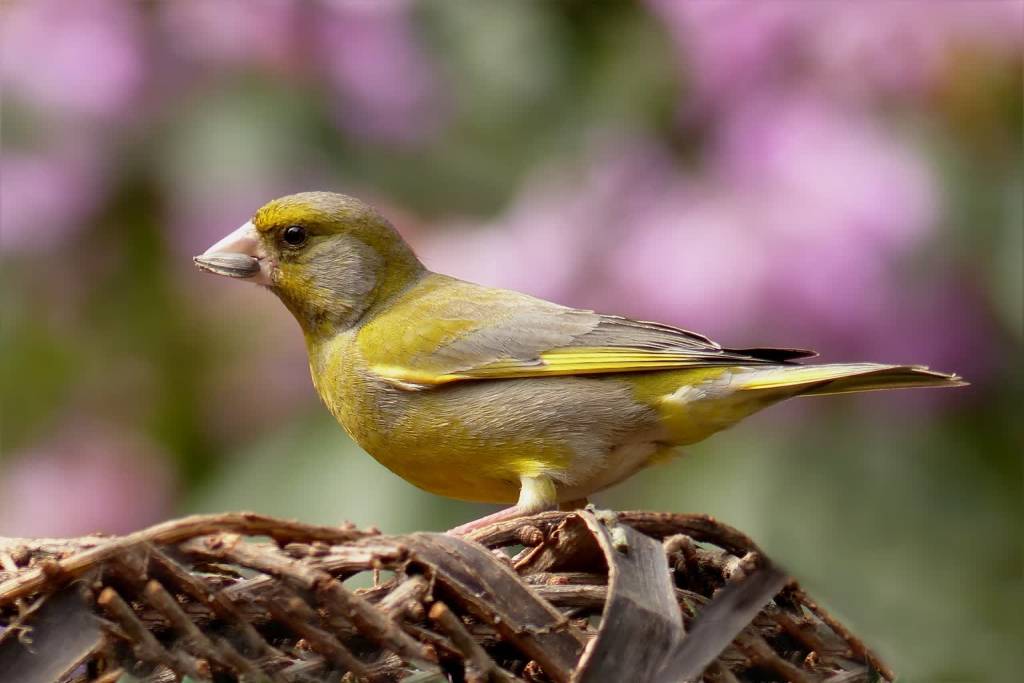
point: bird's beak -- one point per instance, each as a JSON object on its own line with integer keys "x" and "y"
{"x": 239, "y": 255}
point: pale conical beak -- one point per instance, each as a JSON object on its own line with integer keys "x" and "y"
{"x": 239, "y": 255}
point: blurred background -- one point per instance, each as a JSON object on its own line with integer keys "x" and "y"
{"x": 838, "y": 176}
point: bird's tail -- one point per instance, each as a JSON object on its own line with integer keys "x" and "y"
{"x": 843, "y": 378}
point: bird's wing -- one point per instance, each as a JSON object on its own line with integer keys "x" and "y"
{"x": 446, "y": 330}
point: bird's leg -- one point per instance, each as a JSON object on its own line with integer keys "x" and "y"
{"x": 536, "y": 494}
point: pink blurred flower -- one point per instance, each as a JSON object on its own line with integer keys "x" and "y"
{"x": 233, "y": 32}
{"x": 796, "y": 234}
{"x": 838, "y": 199}
{"x": 942, "y": 324}
{"x": 858, "y": 49}
{"x": 78, "y": 57}
{"x": 804, "y": 209}
{"x": 694, "y": 260}
{"x": 384, "y": 81}
{"x": 552, "y": 240}
{"x": 380, "y": 78}
{"x": 86, "y": 479}
{"x": 802, "y": 218}
{"x": 729, "y": 46}
{"x": 45, "y": 196}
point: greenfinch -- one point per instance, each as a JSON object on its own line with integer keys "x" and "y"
{"x": 491, "y": 395}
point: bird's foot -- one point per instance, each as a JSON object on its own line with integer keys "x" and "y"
{"x": 511, "y": 513}
{"x": 536, "y": 494}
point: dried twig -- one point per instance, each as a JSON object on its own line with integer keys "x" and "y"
{"x": 147, "y": 648}
{"x": 479, "y": 664}
{"x": 173, "y": 532}
{"x": 297, "y": 615}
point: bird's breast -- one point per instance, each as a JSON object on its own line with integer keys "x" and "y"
{"x": 474, "y": 440}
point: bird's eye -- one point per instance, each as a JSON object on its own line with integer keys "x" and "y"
{"x": 294, "y": 235}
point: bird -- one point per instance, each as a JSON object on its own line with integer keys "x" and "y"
{"x": 492, "y": 395}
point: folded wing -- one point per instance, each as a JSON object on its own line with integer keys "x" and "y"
{"x": 452, "y": 331}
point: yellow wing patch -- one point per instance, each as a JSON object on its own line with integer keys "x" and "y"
{"x": 564, "y": 361}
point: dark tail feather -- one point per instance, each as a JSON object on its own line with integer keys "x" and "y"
{"x": 775, "y": 355}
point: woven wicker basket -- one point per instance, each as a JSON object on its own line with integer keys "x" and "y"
{"x": 564, "y": 596}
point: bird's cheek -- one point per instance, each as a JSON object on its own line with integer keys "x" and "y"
{"x": 269, "y": 272}
{"x": 287, "y": 280}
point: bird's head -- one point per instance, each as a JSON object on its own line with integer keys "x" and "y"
{"x": 330, "y": 258}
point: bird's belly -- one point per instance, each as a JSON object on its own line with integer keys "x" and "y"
{"x": 491, "y": 475}
{"x": 621, "y": 463}
{"x": 456, "y": 470}
{"x": 475, "y": 441}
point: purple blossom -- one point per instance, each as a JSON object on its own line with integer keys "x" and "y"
{"x": 836, "y": 197}
{"x": 695, "y": 260}
{"x": 45, "y": 195}
{"x": 552, "y": 240}
{"x": 766, "y": 233}
{"x": 87, "y": 479}
{"x": 383, "y": 79}
{"x": 239, "y": 33}
{"x": 74, "y": 57}
{"x": 367, "y": 53}
{"x": 851, "y": 49}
